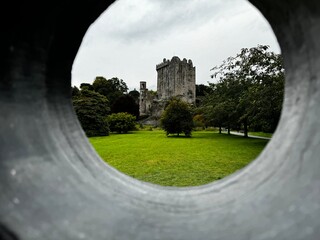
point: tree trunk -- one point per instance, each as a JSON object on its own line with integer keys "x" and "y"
{"x": 245, "y": 130}
{"x": 220, "y": 129}
{"x": 229, "y": 130}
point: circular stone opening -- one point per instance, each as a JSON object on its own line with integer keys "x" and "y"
{"x": 53, "y": 183}
{"x": 126, "y": 57}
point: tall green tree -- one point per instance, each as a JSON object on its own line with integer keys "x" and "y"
{"x": 92, "y": 109}
{"x": 135, "y": 94}
{"x": 75, "y": 91}
{"x": 250, "y": 87}
{"x": 177, "y": 118}
{"x": 127, "y": 104}
{"x": 111, "y": 88}
{"x": 201, "y": 91}
{"x": 86, "y": 86}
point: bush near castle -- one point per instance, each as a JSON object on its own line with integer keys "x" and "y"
{"x": 121, "y": 122}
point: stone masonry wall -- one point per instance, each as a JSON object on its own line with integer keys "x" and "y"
{"x": 176, "y": 78}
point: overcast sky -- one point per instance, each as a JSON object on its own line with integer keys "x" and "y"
{"x": 132, "y": 36}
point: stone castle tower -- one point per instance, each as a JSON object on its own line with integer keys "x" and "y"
{"x": 145, "y": 99}
{"x": 175, "y": 78}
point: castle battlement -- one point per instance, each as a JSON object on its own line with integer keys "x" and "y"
{"x": 163, "y": 64}
{"x": 175, "y": 59}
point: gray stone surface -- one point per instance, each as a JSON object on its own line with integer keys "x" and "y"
{"x": 175, "y": 78}
{"x": 54, "y": 186}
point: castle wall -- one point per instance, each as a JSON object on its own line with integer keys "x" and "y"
{"x": 144, "y": 100}
{"x": 176, "y": 78}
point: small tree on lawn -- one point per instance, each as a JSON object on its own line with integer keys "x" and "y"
{"x": 121, "y": 122}
{"x": 177, "y": 118}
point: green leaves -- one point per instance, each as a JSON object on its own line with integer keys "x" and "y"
{"x": 121, "y": 122}
{"x": 249, "y": 90}
{"x": 92, "y": 109}
{"x": 112, "y": 88}
{"x": 177, "y": 118}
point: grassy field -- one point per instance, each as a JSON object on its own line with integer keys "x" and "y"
{"x": 177, "y": 161}
{"x": 261, "y": 134}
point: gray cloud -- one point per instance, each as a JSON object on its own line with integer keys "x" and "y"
{"x": 149, "y": 20}
{"x": 131, "y": 37}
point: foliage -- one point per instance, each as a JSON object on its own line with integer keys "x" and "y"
{"x": 127, "y": 104}
{"x": 112, "y": 88}
{"x": 121, "y": 122}
{"x": 152, "y": 93}
{"x": 201, "y": 91}
{"x": 75, "y": 91}
{"x": 148, "y": 156}
{"x": 249, "y": 91}
{"x": 198, "y": 121}
{"x": 177, "y": 118}
{"x": 86, "y": 86}
{"x": 135, "y": 95}
{"x": 92, "y": 109}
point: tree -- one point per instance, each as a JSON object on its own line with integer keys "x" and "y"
{"x": 86, "y": 86}
{"x": 121, "y": 122}
{"x": 112, "y": 88}
{"x": 127, "y": 104}
{"x": 177, "y": 118}
{"x": 201, "y": 91}
{"x": 136, "y": 95}
{"x": 250, "y": 86}
{"x": 92, "y": 109}
{"x": 220, "y": 105}
{"x": 198, "y": 121}
{"x": 75, "y": 91}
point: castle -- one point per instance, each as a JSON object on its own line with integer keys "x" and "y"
{"x": 175, "y": 78}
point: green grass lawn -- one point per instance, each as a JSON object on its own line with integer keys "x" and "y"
{"x": 261, "y": 134}
{"x": 177, "y": 161}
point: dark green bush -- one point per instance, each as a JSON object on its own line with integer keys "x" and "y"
{"x": 177, "y": 118}
{"x": 121, "y": 122}
{"x": 92, "y": 109}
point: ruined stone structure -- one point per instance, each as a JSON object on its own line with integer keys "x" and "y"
{"x": 175, "y": 78}
{"x": 146, "y": 99}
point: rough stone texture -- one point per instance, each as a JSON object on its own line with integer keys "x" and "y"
{"x": 175, "y": 78}
{"x": 146, "y": 101}
{"x": 54, "y": 186}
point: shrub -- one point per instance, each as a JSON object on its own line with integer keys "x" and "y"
{"x": 121, "y": 122}
{"x": 198, "y": 121}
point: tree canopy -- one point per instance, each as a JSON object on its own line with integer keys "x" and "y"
{"x": 126, "y": 103}
{"x": 201, "y": 91}
{"x": 111, "y": 88}
{"x": 92, "y": 109}
{"x": 135, "y": 94}
{"x": 249, "y": 91}
{"x": 177, "y": 118}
